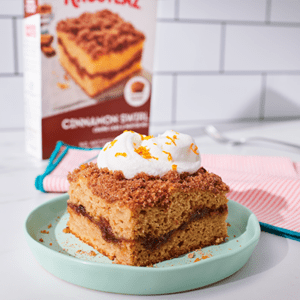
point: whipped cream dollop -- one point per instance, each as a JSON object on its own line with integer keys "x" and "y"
{"x": 133, "y": 153}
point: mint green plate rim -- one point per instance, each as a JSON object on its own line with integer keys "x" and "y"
{"x": 173, "y": 276}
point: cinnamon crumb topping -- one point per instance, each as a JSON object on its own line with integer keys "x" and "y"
{"x": 101, "y": 32}
{"x": 144, "y": 190}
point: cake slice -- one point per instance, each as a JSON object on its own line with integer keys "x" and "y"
{"x": 147, "y": 218}
{"x": 99, "y": 50}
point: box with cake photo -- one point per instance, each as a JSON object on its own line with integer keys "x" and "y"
{"x": 88, "y": 70}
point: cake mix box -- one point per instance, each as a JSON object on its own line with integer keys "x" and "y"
{"x": 87, "y": 71}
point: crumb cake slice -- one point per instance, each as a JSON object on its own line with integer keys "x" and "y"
{"x": 146, "y": 219}
{"x": 99, "y": 50}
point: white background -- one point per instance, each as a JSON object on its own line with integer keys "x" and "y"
{"x": 215, "y": 61}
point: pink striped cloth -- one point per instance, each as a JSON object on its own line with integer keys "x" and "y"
{"x": 268, "y": 186}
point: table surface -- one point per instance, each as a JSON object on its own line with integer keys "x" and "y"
{"x": 272, "y": 272}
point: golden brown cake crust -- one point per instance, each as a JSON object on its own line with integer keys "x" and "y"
{"x": 144, "y": 190}
{"x": 101, "y": 32}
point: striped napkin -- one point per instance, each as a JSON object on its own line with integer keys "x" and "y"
{"x": 268, "y": 186}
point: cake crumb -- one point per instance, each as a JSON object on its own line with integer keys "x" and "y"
{"x": 66, "y": 77}
{"x": 45, "y": 231}
{"x": 78, "y": 251}
{"x": 50, "y": 244}
{"x": 197, "y": 259}
{"x": 228, "y": 225}
{"x": 63, "y": 86}
{"x": 191, "y": 255}
{"x": 92, "y": 253}
{"x": 49, "y": 226}
{"x": 66, "y": 230}
{"x": 219, "y": 240}
{"x": 41, "y": 240}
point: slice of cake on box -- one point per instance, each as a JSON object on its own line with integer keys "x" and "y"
{"x": 99, "y": 50}
{"x": 147, "y": 200}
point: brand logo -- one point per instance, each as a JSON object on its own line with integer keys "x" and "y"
{"x": 131, "y": 3}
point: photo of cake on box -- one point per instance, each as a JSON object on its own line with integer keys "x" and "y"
{"x": 99, "y": 50}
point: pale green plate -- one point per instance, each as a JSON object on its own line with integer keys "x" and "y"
{"x": 63, "y": 259}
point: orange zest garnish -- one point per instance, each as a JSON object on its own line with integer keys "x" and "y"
{"x": 169, "y": 155}
{"x": 172, "y": 140}
{"x": 82, "y": 167}
{"x": 144, "y": 152}
{"x": 175, "y": 137}
{"x": 194, "y": 149}
{"x": 120, "y": 154}
{"x": 168, "y": 143}
{"x": 174, "y": 167}
{"x": 112, "y": 143}
{"x": 155, "y": 144}
{"x": 147, "y": 137}
{"x": 129, "y": 131}
{"x": 105, "y": 148}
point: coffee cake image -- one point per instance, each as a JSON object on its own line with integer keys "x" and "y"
{"x": 147, "y": 200}
{"x": 137, "y": 87}
{"x": 99, "y": 50}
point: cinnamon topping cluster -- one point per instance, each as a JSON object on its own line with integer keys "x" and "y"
{"x": 101, "y": 32}
{"x": 144, "y": 190}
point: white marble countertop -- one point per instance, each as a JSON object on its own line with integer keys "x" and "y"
{"x": 272, "y": 272}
